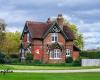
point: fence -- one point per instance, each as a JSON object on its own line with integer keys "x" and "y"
{"x": 90, "y": 62}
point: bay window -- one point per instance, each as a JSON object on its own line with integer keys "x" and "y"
{"x": 55, "y": 54}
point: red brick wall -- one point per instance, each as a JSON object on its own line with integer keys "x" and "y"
{"x": 42, "y": 46}
{"x": 75, "y": 55}
{"x": 61, "y": 39}
{"x": 69, "y": 45}
{"x": 37, "y": 50}
{"x": 47, "y": 40}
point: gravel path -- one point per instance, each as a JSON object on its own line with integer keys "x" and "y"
{"x": 57, "y": 71}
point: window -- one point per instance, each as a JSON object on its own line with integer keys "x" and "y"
{"x": 55, "y": 54}
{"x": 68, "y": 52}
{"x": 51, "y": 54}
{"x": 28, "y": 36}
{"x": 54, "y": 37}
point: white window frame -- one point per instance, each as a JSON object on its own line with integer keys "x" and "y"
{"x": 28, "y": 37}
{"x": 68, "y": 52}
{"x": 55, "y": 54}
{"x": 50, "y": 54}
{"x": 55, "y": 36}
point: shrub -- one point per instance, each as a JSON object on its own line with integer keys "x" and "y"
{"x": 29, "y": 58}
{"x": 69, "y": 60}
{"x": 7, "y": 59}
{"x": 14, "y": 55}
{"x": 37, "y": 62}
{"x": 77, "y": 62}
{"x": 2, "y": 56}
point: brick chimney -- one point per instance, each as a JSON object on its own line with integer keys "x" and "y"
{"x": 60, "y": 20}
{"x": 48, "y": 21}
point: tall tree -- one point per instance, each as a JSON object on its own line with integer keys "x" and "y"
{"x": 11, "y": 42}
{"x": 2, "y": 39}
{"x": 79, "y": 41}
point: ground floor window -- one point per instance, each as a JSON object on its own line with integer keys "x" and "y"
{"x": 68, "y": 52}
{"x": 55, "y": 54}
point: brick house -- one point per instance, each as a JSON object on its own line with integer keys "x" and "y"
{"x": 49, "y": 42}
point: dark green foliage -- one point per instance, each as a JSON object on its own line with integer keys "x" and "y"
{"x": 14, "y": 55}
{"x": 29, "y": 58}
{"x": 15, "y": 60}
{"x": 37, "y": 62}
{"x": 77, "y": 62}
{"x": 90, "y": 54}
{"x": 69, "y": 60}
{"x": 2, "y": 56}
{"x": 8, "y": 59}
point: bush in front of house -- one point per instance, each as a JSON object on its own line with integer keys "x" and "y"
{"x": 77, "y": 62}
{"x": 69, "y": 60}
{"x": 37, "y": 62}
{"x": 29, "y": 58}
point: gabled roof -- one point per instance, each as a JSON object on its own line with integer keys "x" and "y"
{"x": 50, "y": 30}
{"x": 39, "y": 30}
{"x": 55, "y": 45}
{"x": 68, "y": 32}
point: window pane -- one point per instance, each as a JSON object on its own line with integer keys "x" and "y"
{"x": 52, "y": 38}
{"x": 68, "y": 52}
{"x": 55, "y": 38}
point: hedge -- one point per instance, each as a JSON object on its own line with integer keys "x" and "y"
{"x": 90, "y": 54}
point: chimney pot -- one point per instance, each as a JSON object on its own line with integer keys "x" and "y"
{"x": 60, "y": 20}
{"x": 48, "y": 21}
{"x": 59, "y": 15}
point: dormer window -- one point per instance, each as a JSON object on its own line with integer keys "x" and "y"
{"x": 54, "y": 37}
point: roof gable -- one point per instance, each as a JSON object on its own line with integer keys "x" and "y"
{"x": 39, "y": 30}
{"x": 55, "y": 45}
{"x": 55, "y": 28}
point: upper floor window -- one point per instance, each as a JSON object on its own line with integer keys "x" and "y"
{"x": 68, "y": 52}
{"x": 28, "y": 37}
{"x": 54, "y": 37}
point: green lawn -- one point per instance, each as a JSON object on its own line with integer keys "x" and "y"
{"x": 26, "y": 67}
{"x": 50, "y": 76}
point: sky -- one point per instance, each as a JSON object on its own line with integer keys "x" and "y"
{"x": 83, "y": 13}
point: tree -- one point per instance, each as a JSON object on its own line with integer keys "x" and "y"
{"x": 2, "y": 39}
{"x": 11, "y": 43}
{"x": 79, "y": 37}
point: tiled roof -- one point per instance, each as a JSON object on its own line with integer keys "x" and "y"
{"x": 38, "y": 29}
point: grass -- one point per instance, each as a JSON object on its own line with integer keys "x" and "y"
{"x": 27, "y": 67}
{"x": 50, "y": 76}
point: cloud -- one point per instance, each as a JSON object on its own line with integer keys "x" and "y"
{"x": 83, "y": 13}
{"x": 91, "y": 34}
{"x": 14, "y": 29}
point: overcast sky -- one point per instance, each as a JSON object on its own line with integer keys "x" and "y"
{"x": 84, "y": 13}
